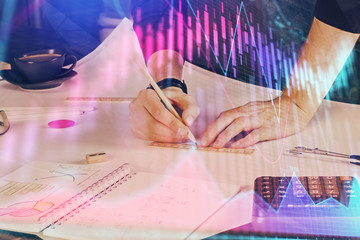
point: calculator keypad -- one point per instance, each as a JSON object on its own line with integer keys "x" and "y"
{"x": 273, "y": 190}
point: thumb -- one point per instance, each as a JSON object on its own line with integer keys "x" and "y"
{"x": 189, "y": 107}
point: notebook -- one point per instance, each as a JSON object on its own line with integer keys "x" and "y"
{"x": 87, "y": 202}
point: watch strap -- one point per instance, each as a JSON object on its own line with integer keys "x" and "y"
{"x": 171, "y": 82}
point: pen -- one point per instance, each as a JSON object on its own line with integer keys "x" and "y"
{"x": 5, "y": 234}
{"x": 164, "y": 98}
{"x": 327, "y": 153}
{"x": 317, "y": 151}
{"x": 355, "y": 163}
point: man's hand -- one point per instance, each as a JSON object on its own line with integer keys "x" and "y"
{"x": 150, "y": 120}
{"x": 258, "y": 121}
{"x": 323, "y": 55}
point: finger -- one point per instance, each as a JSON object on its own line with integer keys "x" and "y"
{"x": 135, "y": 129}
{"x": 190, "y": 109}
{"x": 146, "y": 127}
{"x": 157, "y": 110}
{"x": 188, "y": 105}
{"x": 217, "y": 126}
{"x": 236, "y": 127}
{"x": 252, "y": 138}
{"x": 161, "y": 133}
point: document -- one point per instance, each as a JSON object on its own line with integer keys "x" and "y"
{"x": 84, "y": 202}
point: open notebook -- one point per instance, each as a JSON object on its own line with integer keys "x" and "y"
{"x": 87, "y": 202}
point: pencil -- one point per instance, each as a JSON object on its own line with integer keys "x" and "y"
{"x": 164, "y": 98}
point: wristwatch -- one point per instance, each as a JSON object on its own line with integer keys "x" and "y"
{"x": 171, "y": 82}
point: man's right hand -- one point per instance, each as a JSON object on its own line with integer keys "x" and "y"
{"x": 150, "y": 120}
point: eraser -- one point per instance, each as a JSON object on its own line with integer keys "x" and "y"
{"x": 96, "y": 157}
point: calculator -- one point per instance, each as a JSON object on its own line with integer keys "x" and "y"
{"x": 305, "y": 207}
{"x": 306, "y": 196}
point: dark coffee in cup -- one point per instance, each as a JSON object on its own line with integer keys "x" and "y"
{"x": 39, "y": 57}
{"x": 43, "y": 65}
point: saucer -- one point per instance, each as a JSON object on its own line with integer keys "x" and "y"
{"x": 12, "y": 76}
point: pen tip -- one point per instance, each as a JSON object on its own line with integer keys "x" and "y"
{"x": 192, "y": 137}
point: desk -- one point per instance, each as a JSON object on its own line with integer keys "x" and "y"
{"x": 109, "y": 71}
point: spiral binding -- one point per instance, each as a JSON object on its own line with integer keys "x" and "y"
{"x": 86, "y": 197}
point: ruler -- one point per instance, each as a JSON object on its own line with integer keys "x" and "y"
{"x": 195, "y": 147}
{"x": 100, "y": 99}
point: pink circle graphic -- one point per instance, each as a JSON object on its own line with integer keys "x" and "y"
{"x": 63, "y": 123}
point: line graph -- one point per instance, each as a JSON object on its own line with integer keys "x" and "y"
{"x": 225, "y": 69}
{"x": 61, "y": 174}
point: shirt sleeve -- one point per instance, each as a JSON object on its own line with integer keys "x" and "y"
{"x": 342, "y": 14}
{"x": 159, "y": 25}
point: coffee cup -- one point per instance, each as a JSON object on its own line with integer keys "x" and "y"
{"x": 43, "y": 65}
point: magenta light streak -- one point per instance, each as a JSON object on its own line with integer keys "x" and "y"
{"x": 140, "y": 35}
{"x": 216, "y": 41}
{"x": 233, "y": 56}
{"x": 206, "y": 24}
{"x": 225, "y": 53}
{"x": 231, "y": 29}
{"x": 180, "y": 33}
{"x": 239, "y": 39}
{"x": 207, "y": 32}
{"x": 223, "y": 28}
{"x": 171, "y": 38}
{"x": 189, "y": 40}
{"x": 149, "y": 41}
{"x": 198, "y": 33}
{"x": 160, "y": 38}
{"x": 171, "y": 32}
